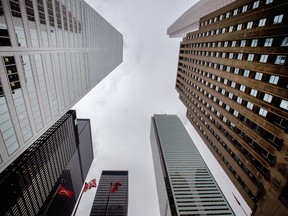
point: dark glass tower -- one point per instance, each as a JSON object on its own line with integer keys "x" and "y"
{"x": 30, "y": 182}
{"x": 117, "y": 205}
{"x": 232, "y": 77}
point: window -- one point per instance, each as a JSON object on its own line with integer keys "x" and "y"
{"x": 230, "y": 29}
{"x": 228, "y": 67}
{"x": 243, "y": 42}
{"x": 242, "y": 88}
{"x": 284, "y": 41}
{"x": 223, "y": 30}
{"x": 233, "y": 44}
{"x": 233, "y": 84}
{"x": 255, "y": 4}
{"x": 254, "y": 43}
{"x": 253, "y": 92}
{"x": 284, "y": 104}
{"x": 230, "y": 95}
{"x": 268, "y": 42}
{"x": 263, "y": 58}
{"x": 236, "y": 70}
{"x": 278, "y": 19}
{"x": 239, "y": 27}
{"x": 225, "y": 81}
{"x": 280, "y": 60}
{"x": 240, "y": 56}
{"x": 268, "y": 98}
{"x": 250, "y": 57}
{"x": 262, "y": 112}
{"x": 246, "y": 73}
{"x": 235, "y": 113}
{"x": 249, "y": 105}
{"x": 273, "y": 79}
{"x": 239, "y": 100}
{"x": 249, "y": 25}
{"x": 258, "y": 76}
{"x": 269, "y": 1}
{"x": 227, "y": 107}
{"x": 225, "y": 43}
{"x": 227, "y": 14}
{"x": 223, "y": 91}
{"x": 235, "y": 12}
{"x": 262, "y": 22}
{"x": 244, "y": 9}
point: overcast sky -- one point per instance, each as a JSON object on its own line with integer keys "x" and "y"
{"x": 121, "y": 106}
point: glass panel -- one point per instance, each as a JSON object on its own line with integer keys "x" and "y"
{"x": 43, "y": 87}
{"x": 32, "y": 92}
{"x": 4, "y": 35}
{"x": 17, "y": 23}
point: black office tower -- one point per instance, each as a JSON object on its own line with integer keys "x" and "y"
{"x": 57, "y": 157}
{"x": 108, "y": 201}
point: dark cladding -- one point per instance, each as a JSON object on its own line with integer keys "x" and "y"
{"x": 118, "y": 201}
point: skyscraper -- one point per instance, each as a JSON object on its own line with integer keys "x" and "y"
{"x": 53, "y": 52}
{"x": 184, "y": 183}
{"x": 232, "y": 77}
{"x": 62, "y": 155}
{"x": 189, "y": 21}
{"x": 108, "y": 201}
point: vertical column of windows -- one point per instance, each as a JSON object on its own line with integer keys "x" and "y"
{"x": 4, "y": 35}
{"x": 17, "y": 22}
{"x": 31, "y": 23}
{"x": 32, "y": 92}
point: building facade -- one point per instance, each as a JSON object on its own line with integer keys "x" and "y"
{"x": 232, "y": 77}
{"x": 189, "y": 21}
{"x": 185, "y": 185}
{"x": 52, "y": 53}
{"x": 107, "y": 203}
{"x": 62, "y": 155}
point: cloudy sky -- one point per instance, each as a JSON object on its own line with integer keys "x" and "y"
{"x": 121, "y": 106}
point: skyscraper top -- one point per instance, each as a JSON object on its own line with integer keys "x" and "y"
{"x": 189, "y": 21}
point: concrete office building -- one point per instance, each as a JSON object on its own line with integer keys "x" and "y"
{"x": 62, "y": 155}
{"x": 185, "y": 185}
{"x": 189, "y": 21}
{"x": 232, "y": 77}
{"x": 52, "y": 53}
{"x": 108, "y": 203}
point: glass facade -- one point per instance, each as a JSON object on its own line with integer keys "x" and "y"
{"x": 190, "y": 189}
{"x": 31, "y": 181}
{"x": 118, "y": 201}
{"x": 52, "y": 53}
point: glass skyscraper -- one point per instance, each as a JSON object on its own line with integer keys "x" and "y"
{"x": 185, "y": 185}
{"x": 62, "y": 155}
{"x": 108, "y": 203}
{"x": 52, "y": 53}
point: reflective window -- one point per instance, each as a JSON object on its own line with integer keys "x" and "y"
{"x": 239, "y": 100}
{"x": 284, "y": 41}
{"x": 235, "y": 113}
{"x": 255, "y": 4}
{"x": 249, "y": 105}
{"x": 268, "y": 42}
{"x": 284, "y": 104}
{"x": 258, "y": 76}
{"x": 242, "y": 88}
{"x": 246, "y": 73}
{"x": 253, "y": 92}
{"x": 263, "y": 58}
{"x": 254, "y": 43}
{"x": 274, "y": 79}
{"x": 262, "y": 22}
{"x": 278, "y": 19}
{"x": 268, "y": 98}
{"x": 250, "y": 57}
{"x": 243, "y": 43}
{"x": 280, "y": 59}
{"x": 269, "y": 1}
{"x": 249, "y": 25}
{"x": 262, "y": 112}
